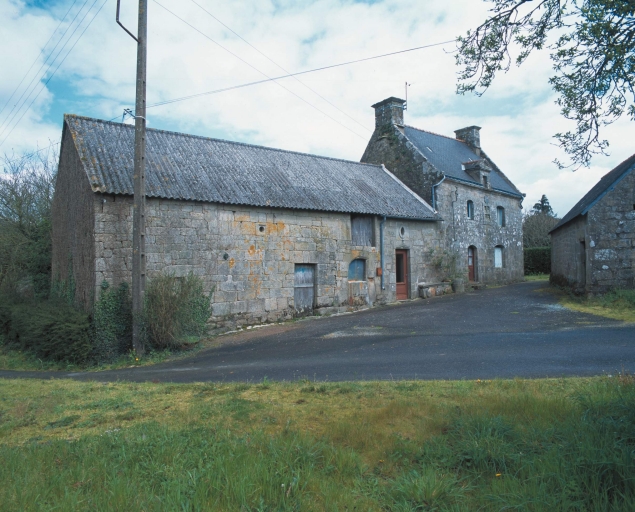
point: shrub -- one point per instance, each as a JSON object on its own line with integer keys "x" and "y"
{"x": 175, "y": 308}
{"x": 112, "y": 322}
{"x": 537, "y": 260}
{"x": 52, "y": 330}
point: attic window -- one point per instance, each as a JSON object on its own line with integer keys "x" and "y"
{"x": 485, "y": 181}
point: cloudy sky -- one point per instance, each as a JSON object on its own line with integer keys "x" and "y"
{"x": 69, "y": 56}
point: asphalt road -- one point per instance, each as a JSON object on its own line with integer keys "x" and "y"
{"x": 513, "y": 331}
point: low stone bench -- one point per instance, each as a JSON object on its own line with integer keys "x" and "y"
{"x": 427, "y": 290}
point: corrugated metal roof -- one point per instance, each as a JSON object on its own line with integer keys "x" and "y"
{"x": 598, "y": 191}
{"x": 188, "y": 167}
{"x": 448, "y": 155}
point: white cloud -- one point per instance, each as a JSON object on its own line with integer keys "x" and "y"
{"x": 517, "y": 115}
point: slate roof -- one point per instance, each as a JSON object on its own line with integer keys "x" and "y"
{"x": 448, "y": 154}
{"x": 601, "y": 188}
{"x": 187, "y": 167}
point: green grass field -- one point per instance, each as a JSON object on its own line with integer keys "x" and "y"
{"x": 552, "y": 444}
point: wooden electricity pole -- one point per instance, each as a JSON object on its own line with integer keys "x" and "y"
{"x": 138, "y": 217}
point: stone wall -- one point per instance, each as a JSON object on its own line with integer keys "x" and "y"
{"x": 596, "y": 252}
{"x": 73, "y": 219}
{"x": 611, "y": 244}
{"x": 568, "y": 255}
{"x": 481, "y": 232}
{"x": 247, "y": 255}
{"x": 390, "y": 147}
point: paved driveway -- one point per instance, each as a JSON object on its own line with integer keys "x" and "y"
{"x": 518, "y": 330}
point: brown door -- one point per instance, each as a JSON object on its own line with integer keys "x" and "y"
{"x": 401, "y": 267}
{"x": 471, "y": 257}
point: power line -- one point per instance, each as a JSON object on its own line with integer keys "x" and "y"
{"x": 259, "y": 71}
{"x": 279, "y": 66}
{"x": 58, "y": 66}
{"x": 37, "y": 77}
{"x": 257, "y": 82}
{"x": 38, "y": 56}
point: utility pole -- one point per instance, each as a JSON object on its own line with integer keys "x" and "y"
{"x": 138, "y": 217}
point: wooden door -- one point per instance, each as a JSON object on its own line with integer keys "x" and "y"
{"x": 304, "y": 288}
{"x": 471, "y": 261}
{"x": 401, "y": 269}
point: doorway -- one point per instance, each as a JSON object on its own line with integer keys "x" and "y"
{"x": 401, "y": 270}
{"x": 471, "y": 263}
{"x": 304, "y": 289}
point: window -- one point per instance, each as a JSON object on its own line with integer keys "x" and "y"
{"x": 357, "y": 270}
{"x": 487, "y": 213}
{"x": 470, "y": 210}
{"x": 485, "y": 181}
{"x": 362, "y": 230}
{"x": 500, "y": 216}
{"x": 498, "y": 256}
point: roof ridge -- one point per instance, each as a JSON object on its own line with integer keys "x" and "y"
{"x": 434, "y": 133}
{"x": 225, "y": 141}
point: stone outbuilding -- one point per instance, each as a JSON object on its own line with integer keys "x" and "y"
{"x": 593, "y": 246}
{"x": 272, "y": 233}
{"x": 481, "y": 208}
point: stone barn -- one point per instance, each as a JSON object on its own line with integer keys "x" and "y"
{"x": 593, "y": 246}
{"x": 272, "y": 233}
{"x": 481, "y": 208}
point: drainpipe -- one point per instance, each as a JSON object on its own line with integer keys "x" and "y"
{"x": 381, "y": 250}
{"x": 434, "y": 201}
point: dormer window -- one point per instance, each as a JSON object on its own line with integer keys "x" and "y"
{"x": 485, "y": 180}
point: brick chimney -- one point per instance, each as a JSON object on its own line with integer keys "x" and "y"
{"x": 471, "y": 136}
{"x": 389, "y": 111}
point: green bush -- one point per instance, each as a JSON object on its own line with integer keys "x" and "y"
{"x": 537, "y": 260}
{"x": 51, "y": 330}
{"x": 175, "y": 308}
{"x": 112, "y": 322}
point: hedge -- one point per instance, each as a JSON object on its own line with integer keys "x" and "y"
{"x": 537, "y": 260}
{"x": 51, "y": 330}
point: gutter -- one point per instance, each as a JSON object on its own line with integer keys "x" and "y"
{"x": 381, "y": 250}
{"x": 434, "y": 202}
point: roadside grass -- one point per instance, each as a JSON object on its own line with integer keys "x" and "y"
{"x": 551, "y": 444}
{"x": 14, "y": 359}
{"x": 536, "y": 277}
{"x": 618, "y": 304}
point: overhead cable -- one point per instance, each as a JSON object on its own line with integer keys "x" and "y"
{"x": 58, "y": 66}
{"x": 279, "y": 66}
{"x": 38, "y": 56}
{"x": 257, "y": 82}
{"x": 39, "y": 74}
{"x": 269, "y": 79}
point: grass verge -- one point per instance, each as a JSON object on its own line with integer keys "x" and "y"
{"x": 554, "y": 444}
{"x": 618, "y": 304}
{"x": 537, "y": 277}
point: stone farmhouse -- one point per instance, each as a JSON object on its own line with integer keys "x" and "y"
{"x": 593, "y": 246}
{"x": 272, "y": 233}
{"x": 479, "y": 205}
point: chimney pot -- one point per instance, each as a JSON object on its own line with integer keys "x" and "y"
{"x": 389, "y": 111}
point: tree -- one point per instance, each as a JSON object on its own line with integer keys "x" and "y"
{"x": 536, "y": 227}
{"x": 593, "y": 56}
{"x": 543, "y": 207}
{"x": 26, "y": 194}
